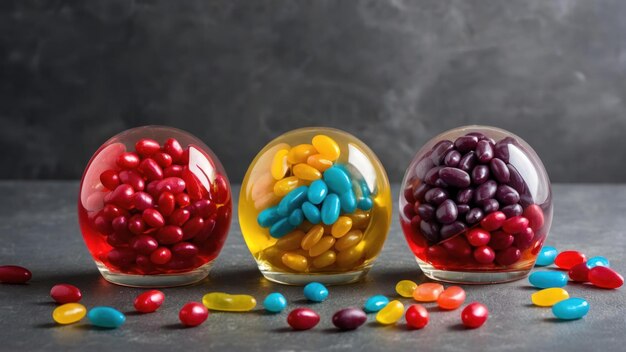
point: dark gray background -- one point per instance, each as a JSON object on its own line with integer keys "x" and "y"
{"x": 238, "y": 73}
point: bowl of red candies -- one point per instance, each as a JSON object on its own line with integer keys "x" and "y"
{"x": 154, "y": 207}
{"x": 476, "y": 206}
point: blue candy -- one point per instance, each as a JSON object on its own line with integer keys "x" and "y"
{"x": 365, "y": 203}
{"x": 348, "y": 202}
{"x": 106, "y": 317}
{"x": 597, "y": 261}
{"x": 296, "y": 217}
{"x": 317, "y": 192}
{"x": 571, "y": 308}
{"x": 268, "y": 217}
{"x": 365, "y": 190}
{"x": 281, "y": 228}
{"x": 311, "y": 213}
{"x": 330, "y": 209}
{"x": 292, "y": 200}
{"x": 375, "y": 303}
{"x": 547, "y": 279}
{"x": 275, "y": 302}
{"x": 337, "y": 180}
{"x": 546, "y": 256}
{"x": 315, "y": 292}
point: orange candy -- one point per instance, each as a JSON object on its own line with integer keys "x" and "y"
{"x": 451, "y": 298}
{"x": 427, "y": 292}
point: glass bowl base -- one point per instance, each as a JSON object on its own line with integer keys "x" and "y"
{"x": 155, "y": 281}
{"x": 324, "y": 278}
{"x": 472, "y": 277}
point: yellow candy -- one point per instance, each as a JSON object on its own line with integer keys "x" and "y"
{"x": 341, "y": 226}
{"x": 349, "y": 256}
{"x": 279, "y": 164}
{"x": 306, "y": 172}
{"x": 325, "y": 259}
{"x": 549, "y": 296}
{"x": 324, "y": 244}
{"x": 69, "y": 313}
{"x": 349, "y": 240}
{"x": 360, "y": 219}
{"x": 295, "y": 261}
{"x": 392, "y": 312}
{"x": 326, "y": 146}
{"x": 300, "y": 153}
{"x": 318, "y": 162}
{"x": 291, "y": 241}
{"x": 312, "y": 237}
{"x": 405, "y": 288}
{"x": 227, "y": 302}
{"x": 286, "y": 185}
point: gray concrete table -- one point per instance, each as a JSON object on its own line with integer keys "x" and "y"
{"x": 38, "y": 229}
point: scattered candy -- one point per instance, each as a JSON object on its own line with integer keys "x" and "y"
{"x": 303, "y": 318}
{"x": 427, "y": 292}
{"x": 474, "y": 315}
{"x": 65, "y": 293}
{"x": 579, "y": 272}
{"x": 13, "y": 274}
{"x": 149, "y": 301}
{"x": 193, "y": 314}
{"x": 106, "y": 317}
{"x": 227, "y": 302}
{"x": 349, "y": 318}
{"x": 547, "y": 279}
{"x": 69, "y": 313}
{"x": 549, "y": 296}
{"x": 571, "y": 308}
{"x": 605, "y": 277}
{"x": 275, "y": 302}
{"x": 405, "y": 288}
{"x": 566, "y": 260}
{"x": 546, "y": 256}
{"x": 391, "y": 313}
{"x": 375, "y": 303}
{"x": 416, "y": 316}
{"x": 451, "y": 298}
{"x": 597, "y": 261}
{"x": 315, "y": 292}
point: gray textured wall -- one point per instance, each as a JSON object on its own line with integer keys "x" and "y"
{"x": 238, "y": 73}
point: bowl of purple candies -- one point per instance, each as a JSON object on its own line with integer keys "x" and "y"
{"x": 476, "y": 206}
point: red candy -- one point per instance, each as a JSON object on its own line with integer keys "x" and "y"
{"x": 147, "y": 147}
{"x": 579, "y": 272}
{"x": 149, "y": 301}
{"x": 484, "y": 255}
{"x": 474, "y": 315}
{"x": 493, "y": 221}
{"x": 508, "y": 256}
{"x": 161, "y": 255}
{"x": 303, "y": 318}
{"x": 153, "y": 218}
{"x": 65, "y": 293}
{"x": 567, "y": 259}
{"x": 478, "y": 237}
{"x": 193, "y": 314}
{"x": 173, "y": 148}
{"x": 13, "y": 274}
{"x": 605, "y": 277}
{"x": 515, "y": 224}
{"x": 150, "y": 169}
{"x": 128, "y": 160}
{"x": 110, "y": 179}
{"x": 534, "y": 214}
{"x": 416, "y": 316}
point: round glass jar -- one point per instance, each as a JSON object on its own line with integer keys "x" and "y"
{"x": 315, "y": 205}
{"x": 476, "y": 206}
{"x": 154, "y": 207}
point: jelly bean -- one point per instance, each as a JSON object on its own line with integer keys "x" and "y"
{"x": 173, "y": 171}
{"x": 268, "y": 217}
{"x": 184, "y": 250}
{"x": 319, "y": 162}
{"x": 436, "y": 196}
{"x": 313, "y": 236}
{"x": 173, "y": 148}
{"x": 311, "y": 213}
{"x": 466, "y": 143}
{"x": 128, "y": 160}
{"x": 468, "y": 161}
{"x": 375, "y": 303}
{"x": 548, "y": 279}
{"x": 163, "y": 159}
{"x": 275, "y": 302}
{"x": 110, "y": 179}
{"x": 150, "y": 169}
{"x": 193, "y": 227}
{"x": 474, "y": 215}
{"x": 65, "y": 293}
{"x": 173, "y": 185}
{"x": 391, "y": 313}
{"x": 597, "y": 261}
{"x": 478, "y": 237}
{"x": 579, "y": 272}
{"x": 508, "y": 256}
{"x": 306, "y": 172}
{"x": 512, "y": 210}
{"x": 330, "y": 209}
{"x": 546, "y": 256}
{"x": 327, "y": 147}
{"x": 484, "y": 151}
{"x": 227, "y": 302}
{"x": 499, "y": 170}
{"x": 474, "y": 315}
{"x": 121, "y": 257}
{"x": 296, "y": 217}
{"x": 153, "y": 218}
{"x": 106, "y": 317}
{"x": 281, "y": 228}
{"x": 182, "y": 199}
{"x": 507, "y": 195}
{"x": 292, "y": 200}
{"x": 349, "y": 240}
{"x": 549, "y": 296}
{"x": 149, "y": 301}
{"x": 279, "y": 165}
{"x": 450, "y": 230}
{"x": 286, "y": 185}
{"x": 179, "y": 217}
{"x": 323, "y": 245}
{"x": 348, "y": 202}
{"x": 300, "y": 153}
{"x": 416, "y": 316}
{"x": 193, "y": 314}
{"x": 567, "y": 259}
{"x": 484, "y": 255}
{"x": 501, "y": 240}
{"x": 295, "y": 261}
{"x": 365, "y": 204}
{"x": 440, "y": 150}
{"x": 349, "y": 318}
{"x": 427, "y": 292}
{"x": 341, "y": 226}
{"x": 605, "y": 277}
{"x": 147, "y": 146}
{"x": 121, "y": 196}
{"x": 447, "y": 212}
{"x": 452, "y": 158}
{"x": 169, "y": 234}
{"x": 325, "y": 259}
{"x": 160, "y": 256}
{"x": 13, "y": 274}
{"x": 455, "y": 177}
{"x": 142, "y": 201}
{"x": 515, "y": 224}
{"x": 451, "y": 298}
{"x": 405, "y": 288}
{"x": 571, "y": 309}
{"x": 534, "y": 214}
{"x": 337, "y": 180}
{"x": 315, "y": 292}
{"x": 493, "y": 221}
{"x": 303, "y": 319}
{"x": 317, "y": 192}
{"x": 524, "y": 239}
{"x": 69, "y": 313}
